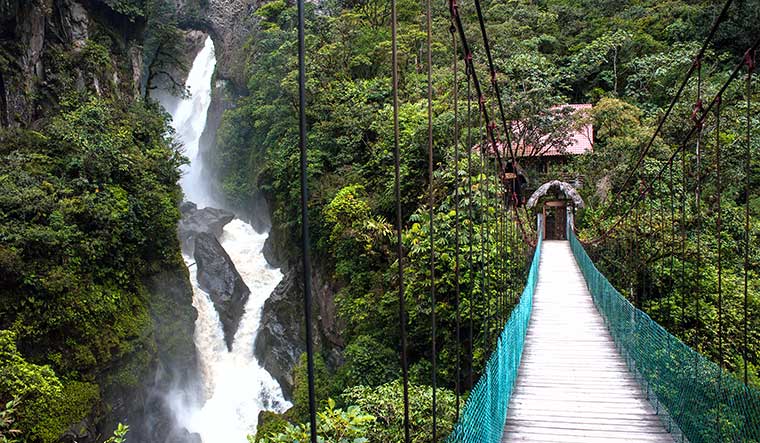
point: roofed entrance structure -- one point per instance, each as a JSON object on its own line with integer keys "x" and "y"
{"x": 558, "y": 201}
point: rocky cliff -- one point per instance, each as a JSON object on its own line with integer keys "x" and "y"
{"x": 51, "y": 51}
{"x": 49, "y": 46}
{"x": 281, "y": 338}
{"x": 229, "y": 22}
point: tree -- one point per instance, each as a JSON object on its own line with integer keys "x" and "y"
{"x": 599, "y": 54}
{"x": 163, "y": 48}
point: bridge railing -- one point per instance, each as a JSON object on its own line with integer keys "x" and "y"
{"x": 483, "y": 416}
{"x": 696, "y": 399}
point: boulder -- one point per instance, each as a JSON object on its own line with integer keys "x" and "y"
{"x": 200, "y": 221}
{"x": 219, "y": 278}
{"x": 279, "y": 342}
{"x": 187, "y": 207}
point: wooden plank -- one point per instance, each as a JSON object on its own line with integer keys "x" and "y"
{"x": 573, "y": 386}
{"x": 591, "y": 425}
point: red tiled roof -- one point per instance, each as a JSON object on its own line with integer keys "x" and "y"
{"x": 582, "y": 140}
{"x": 579, "y": 142}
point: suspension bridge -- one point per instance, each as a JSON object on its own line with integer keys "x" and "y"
{"x": 573, "y": 385}
{"x": 576, "y": 361}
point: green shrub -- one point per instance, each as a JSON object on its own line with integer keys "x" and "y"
{"x": 269, "y": 423}
{"x": 8, "y": 431}
{"x": 369, "y": 362}
{"x": 351, "y": 425}
{"x": 88, "y": 211}
{"x": 386, "y": 404}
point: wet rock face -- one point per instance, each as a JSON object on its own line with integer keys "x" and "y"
{"x": 219, "y": 278}
{"x": 280, "y": 341}
{"x": 281, "y": 338}
{"x": 200, "y": 221}
{"x": 232, "y": 23}
{"x": 36, "y": 29}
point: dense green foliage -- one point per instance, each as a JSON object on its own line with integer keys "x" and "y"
{"x": 386, "y": 403}
{"x": 625, "y": 57}
{"x": 333, "y": 426}
{"x": 88, "y": 214}
{"x": 8, "y": 431}
{"x": 89, "y": 208}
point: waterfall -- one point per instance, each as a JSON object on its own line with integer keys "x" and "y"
{"x": 189, "y": 120}
{"x": 236, "y": 387}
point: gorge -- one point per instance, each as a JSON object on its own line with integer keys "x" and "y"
{"x": 150, "y": 203}
{"x": 235, "y": 386}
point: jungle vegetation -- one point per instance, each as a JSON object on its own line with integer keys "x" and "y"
{"x": 626, "y": 58}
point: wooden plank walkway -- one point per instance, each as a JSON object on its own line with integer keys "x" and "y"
{"x": 573, "y": 386}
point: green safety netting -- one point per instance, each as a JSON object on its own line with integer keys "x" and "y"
{"x": 696, "y": 399}
{"x": 483, "y": 416}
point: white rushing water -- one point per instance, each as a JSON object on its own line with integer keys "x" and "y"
{"x": 189, "y": 120}
{"x": 236, "y": 387}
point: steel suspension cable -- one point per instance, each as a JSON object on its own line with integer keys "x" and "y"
{"x": 637, "y": 255}
{"x": 507, "y": 128}
{"x": 671, "y": 290}
{"x": 718, "y": 229}
{"x": 682, "y": 221}
{"x": 305, "y": 240}
{"x": 456, "y": 220}
{"x": 476, "y": 83}
{"x": 491, "y": 246}
{"x": 497, "y": 248}
{"x": 506, "y": 252}
{"x": 498, "y": 266}
{"x": 482, "y": 190}
{"x": 399, "y": 225}
{"x": 481, "y": 294}
{"x": 471, "y": 236}
{"x": 698, "y": 204}
{"x": 431, "y": 202}
{"x": 750, "y": 62}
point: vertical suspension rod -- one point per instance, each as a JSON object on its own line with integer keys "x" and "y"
{"x": 718, "y": 229}
{"x": 471, "y": 235}
{"x": 306, "y": 242}
{"x": 750, "y": 61}
{"x": 457, "y": 288}
{"x": 431, "y": 202}
{"x": 399, "y": 225}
